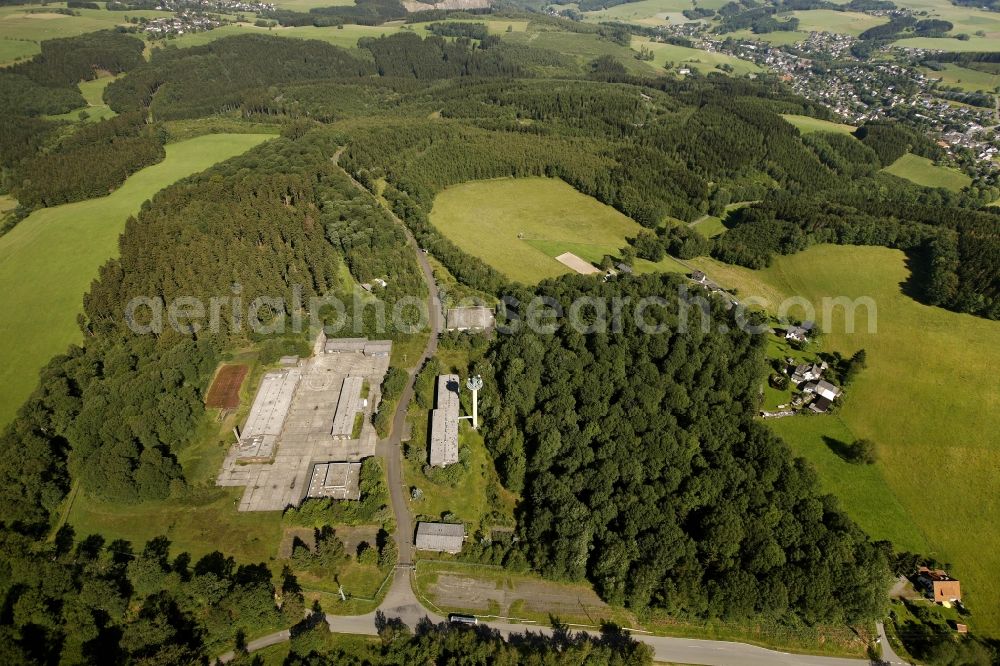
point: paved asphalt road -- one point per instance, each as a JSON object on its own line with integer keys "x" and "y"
{"x": 400, "y": 601}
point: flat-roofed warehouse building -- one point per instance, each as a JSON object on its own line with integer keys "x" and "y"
{"x": 440, "y": 537}
{"x": 349, "y": 404}
{"x": 444, "y": 423}
{"x": 339, "y": 480}
{"x": 267, "y": 414}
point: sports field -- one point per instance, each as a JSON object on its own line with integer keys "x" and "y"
{"x": 807, "y": 124}
{"x": 971, "y": 80}
{"x": 485, "y": 218}
{"x": 48, "y": 261}
{"x": 224, "y": 393}
{"x": 703, "y": 61}
{"x": 929, "y": 399}
{"x": 923, "y": 171}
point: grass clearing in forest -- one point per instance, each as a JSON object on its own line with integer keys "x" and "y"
{"x": 346, "y": 36}
{"x": 929, "y": 399}
{"x": 96, "y": 109}
{"x": 808, "y": 124}
{"x": 485, "y": 218}
{"x": 923, "y": 171}
{"x": 48, "y": 261}
{"x": 14, "y": 50}
{"x": 585, "y": 48}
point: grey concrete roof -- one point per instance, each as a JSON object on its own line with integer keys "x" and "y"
{"x": 444, "y": 423}
{"x": 441, "y": 537}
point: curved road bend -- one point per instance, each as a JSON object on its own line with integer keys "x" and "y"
{"x": 400, "y": 601}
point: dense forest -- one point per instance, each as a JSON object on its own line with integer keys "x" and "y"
{"x": 645, "y": 471}
{"x": 46, "y": 163}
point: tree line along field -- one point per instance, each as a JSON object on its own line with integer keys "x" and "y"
{"x": 49, "y": 259}
{"x": 929, "y": 399}
{"x": 971, "y": 80}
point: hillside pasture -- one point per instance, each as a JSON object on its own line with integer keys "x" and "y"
{"x": 48, "y": 261}
{"x": 31, "y": 22}
{"x": 96, "y": 109}
{"x": 345, "y": 37}
{"x": 929, "y": 399}
{"x": 703, "y": 61}
{"x": 519, "y": 226}
{"x": 971, "y": 80}
{"x": 585, "y": 48}
{"x": 829, "y": 20}
{"x": 923, "y": 171}
{"x": 649, "y": 12}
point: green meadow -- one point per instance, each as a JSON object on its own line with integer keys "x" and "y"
{"x": 828, "y": 20}
{"x": 650, "y": 12}
{"x": 12, "y": 50}
{"x": 519, "y": 225}
{"x": 808, "y": 124}
{"x": 346, "y": 37}
{"x": 703, "y": 61}
{"x": 923, "y": 171}
{"x": 48, "y": 261}
{"x": 929, "y": 399}
{"x": 96, "y": 109}
{"x": 777, "y": 38}
{"x": 971, "y": 80}
{"x": 32, "y": 22}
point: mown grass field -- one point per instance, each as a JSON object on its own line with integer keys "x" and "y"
{"x": 703, "y": 61}
{"x": 828, "y": 20}
{"x": 485, "y": 217}
{"x": 929, "y": 399}
{"x": 48, "y": 261}
{"x": 971, "y": 80}
{"x": 923, "y": 171}
{"x": 808, "y": 124}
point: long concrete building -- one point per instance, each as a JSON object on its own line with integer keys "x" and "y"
{"x": 349, "y": 404}
{"x": 444, "y": 423}
{"x": 267, "y": 415}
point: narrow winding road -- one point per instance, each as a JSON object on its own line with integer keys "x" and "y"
{"x": 400, "y": 601}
